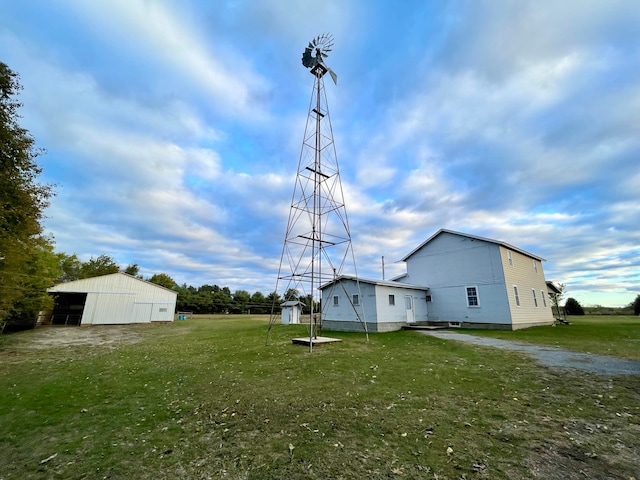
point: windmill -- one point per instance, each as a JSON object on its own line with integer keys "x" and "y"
{"x": 317, "y": 247}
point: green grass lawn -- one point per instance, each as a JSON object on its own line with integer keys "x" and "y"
{"x": 206, "y": 398}
{"x": 607, "y": 335}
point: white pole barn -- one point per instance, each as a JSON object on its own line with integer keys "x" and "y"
{"x": 112, "y": 299}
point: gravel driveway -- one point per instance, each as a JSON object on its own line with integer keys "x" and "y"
{"x": 550, "y": 356}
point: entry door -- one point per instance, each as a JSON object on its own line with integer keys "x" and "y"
{"x": 408, "y": 305}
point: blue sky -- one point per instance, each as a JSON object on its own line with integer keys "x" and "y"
{"x": 173, "y": 130}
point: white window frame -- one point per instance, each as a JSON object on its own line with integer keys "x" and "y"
{"x": 535, "y": 266}
{"x": 544, "y": 299}
{"x": 392, "y": 300}
{"x": 535, "y": 298}
{"x": 510, "y": 258}
{"x": 516, "y": 295}
{"x": 336, "y": 301}
{"x": 476, "y": 296}
{"x": 355, "y": 298}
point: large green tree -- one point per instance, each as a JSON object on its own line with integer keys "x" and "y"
{"x": 100, "y": 265}
{"x": 132, "y": 269}
{"x": 222, "y": 300}
{"x": 164, "y": 280}
{"x": 259, "y": 303}
{"x": 241, "y": 299}
{"x": 40, "y": 272}
{"x": 23, "y": 198}
{"x": 71, "y": 266}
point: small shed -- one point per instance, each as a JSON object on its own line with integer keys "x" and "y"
{"x": 117, "y": 298}
{"x": 291, "y": 311}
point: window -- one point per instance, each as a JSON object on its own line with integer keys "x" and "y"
{"x": 515, "y": 294}
{"x": 356, "y": 299}
{"x": 510, "y": 258}
{"x": 544, "y": 300}
{"x": 535, "y": 299}
{"x": 472, "y": 297}
{"x": 335, "y": 300}
{"x": 392, "y": 299}
{"x": 428, "y": 298}
{"x": 535, "y": 266}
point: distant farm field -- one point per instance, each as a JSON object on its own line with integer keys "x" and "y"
{"x": 206, "y": 398}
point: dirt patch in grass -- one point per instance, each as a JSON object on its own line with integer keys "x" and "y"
{"x": 56, "y": 340}
{"x": 565, "y": 460}
{"x": 108, "y": 336}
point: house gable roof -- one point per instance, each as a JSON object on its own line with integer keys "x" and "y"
{"x": 475, "y": 237}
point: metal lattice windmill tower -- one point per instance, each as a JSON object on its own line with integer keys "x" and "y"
{"x": 317, "y": 246}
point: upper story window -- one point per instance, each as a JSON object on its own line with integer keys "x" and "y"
{"x": 392, "y": 299}
{"x": 472, "y": 297}
{"x": 335, "y": 300}
{"x": 356, "y": 299}
{"x": 515, "y": 294}
{"x": 510, "y": 258}
{"x": 535, "y": 266}
{"x": 535, "y": 299}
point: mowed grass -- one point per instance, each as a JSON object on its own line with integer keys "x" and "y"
{"x": 618, "y": 336}
{"x": 206, "y": 398}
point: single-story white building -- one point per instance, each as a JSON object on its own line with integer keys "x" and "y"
{"x": 452, "y": 279}
{"x": 291, "y": 312}
{"x": 383, "y": 306}
{"x": 117, "y": 298}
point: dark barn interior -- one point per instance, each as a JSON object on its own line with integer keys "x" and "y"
{"x": 68, "y": 308}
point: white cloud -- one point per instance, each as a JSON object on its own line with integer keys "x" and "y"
{"x": 167, "y": 35}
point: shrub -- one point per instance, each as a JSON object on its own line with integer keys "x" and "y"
{"x": 573, "y": 307}
{"x": 636, "y": 306}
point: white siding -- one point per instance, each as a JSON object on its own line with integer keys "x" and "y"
{"x": 120, "y": 298}
{"x": 110, "y": 308}
{"x": 397, "y": 313}
{"x": 142, "y": 313}
{"x": 291, "y": 314}
{"x": 374, "y": 306}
